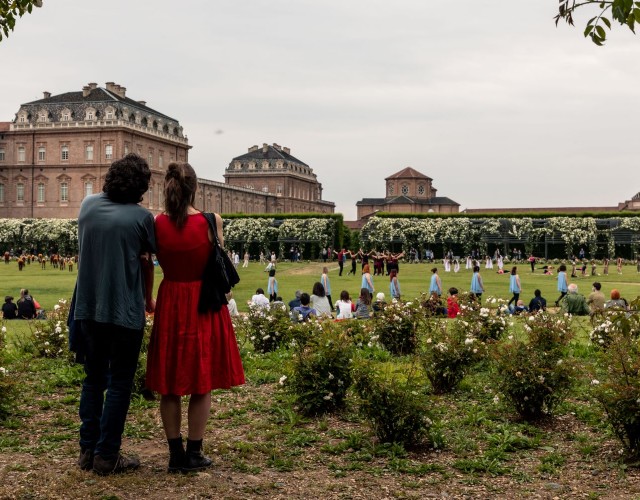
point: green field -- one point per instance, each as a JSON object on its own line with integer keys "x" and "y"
{"x": 49, "y": 285}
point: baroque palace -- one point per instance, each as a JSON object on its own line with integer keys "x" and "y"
{"x": 59, "y": 148}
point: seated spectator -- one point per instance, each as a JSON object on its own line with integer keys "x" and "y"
{"x": 453, "y": 308}
{"x": 574, "y": 303}
{"x": 434, "y": 306}
{"x": 379, "y": 303}
{"x": 303, "y": 312}
{"x": 295, "y": 302}
{"x": 320, "y": 302}
{"x": 278, "y": 304}
{"x": 538, "y": 302}
{"x": 231, "y": 305}
{"x": 519, "y": 308}
{"x": 259, "y": 299}
{"x": 616, "y": 301}
{"x": 596, "y": 298}
{"x": 363, "y": 304}
{"x": 26, "y": 306}
{"x": 344, "y": 306}
{"x": 9, "y": 309}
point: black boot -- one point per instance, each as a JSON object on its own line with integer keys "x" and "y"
{"x": 176, "y": 455}
{"x": 195, "y": 460}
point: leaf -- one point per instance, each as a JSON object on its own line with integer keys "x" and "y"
{"x": 607, "y": 22}
{"x": 636, "y": 14}
{"x": 601, "y": 32}
{"x": 588, "y": 31}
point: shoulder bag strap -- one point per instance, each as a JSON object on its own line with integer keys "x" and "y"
{"x": 211, "y": 219}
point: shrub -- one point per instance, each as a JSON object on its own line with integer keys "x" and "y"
{"x": 535, "y": 376}
{"x": 396, "y": 410}
{"x": 139, "y": 379}
{"x": 265, "y": 328}
{"x": 613, "y": 322}
{"x": 50, "y": 336}
{"x": 395, "y": 326}
{"x": 321, "y": 371}
{"x": 618, "y": 390}
{"x": 448, "y": 351}
{"x": 7, "y": 384}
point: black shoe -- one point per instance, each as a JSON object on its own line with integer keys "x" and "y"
{"x": 195, "y": 460}
{"x": 176, "y": 455}
{"x": 117, "y": 465}
{"x": 85, "y": 461}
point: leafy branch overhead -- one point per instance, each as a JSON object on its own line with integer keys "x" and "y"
{"x": 11, "y": 10}
{"x": 625, "y": 12}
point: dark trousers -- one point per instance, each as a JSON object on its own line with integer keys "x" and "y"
{"x": 341, "y": 264}
{"x": 110, "y": 365}
{"x": 514, "y": 299}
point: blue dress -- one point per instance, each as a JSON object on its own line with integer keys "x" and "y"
{"x": 272, "y": 286}
{"x": 324, "y": 280}
{"x": 365, "y": 283}
{"x": 433, "y": 287}
{"x": 475, "y": 284}
{"x": 394, "y": 290}
{"x": 562, "y": 282}
{"x": 513, "y": 284}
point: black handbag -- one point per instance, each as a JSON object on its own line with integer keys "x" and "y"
{"x": 219, "y": 276}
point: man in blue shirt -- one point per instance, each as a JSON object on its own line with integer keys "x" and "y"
{"x": 114, "y": 287}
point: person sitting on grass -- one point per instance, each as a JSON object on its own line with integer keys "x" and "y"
{"x": 303, "y": 312}
{"x": 616, "y": 301}
{"x": 363, "y": 304}
{"x": 538, "y": 302}
{"x": 380, "y": 302}
{"x": 453, "y": 308}
{"x": 9, "y": 309}
{"x": 575, "y": 303}
{"x": 344, "y": 306}
{"x": 519, "y": 308}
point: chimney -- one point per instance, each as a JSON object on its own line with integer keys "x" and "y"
{"x": 93, "y": 85}
{"x": 253, "y": 148}
{"x": 265, "y": 147}
{"x": 286, "y": 150}
{"x": 123, "y": 91}
{"x": 110, "y": 86}
{"x": 46, "y": 94}
{"x": 143, "y": 103}
{"x": 86, "y": 90}
{"x": 276, "y": 147}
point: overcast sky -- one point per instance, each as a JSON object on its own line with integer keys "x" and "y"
{"x": 487, "y": 97}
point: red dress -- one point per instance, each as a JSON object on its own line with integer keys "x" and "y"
{"x": 189, "y": 353}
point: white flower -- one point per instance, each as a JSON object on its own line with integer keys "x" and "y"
{"x": 282, "y": 380}
{"x": 468, "y": 341}
{"x": 3, "y": 370}
{"x": 328, "y": 396}
{"x": 58, "y": 329}
{"x": 266, "y": 337}
{"x": 531, "y": 318}
{"x": 496, "y": 399}
{"x": 4, "y": 329}
{"x": 541, "y": 379}
{"x": 331, "y": 377}
{"x": 56, "y": 307}
{"x": 595, "y": 382}
{"x": 46, "y": 343}
{"x": 429, "y": 341}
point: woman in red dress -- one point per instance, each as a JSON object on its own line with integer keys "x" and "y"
{"x": 189, "y": 353}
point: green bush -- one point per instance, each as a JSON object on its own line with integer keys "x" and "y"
{"x": 395, "y": 326}
{"x": 7, "y": 383}
{"x": 265, "y": 328}
{"x": 612, "y": 323}
{"x": 535, "y": 376}
{"x": 397, "y": 410}
{"x": 618, "y": 388}
{"x": 321, "y": 371}
{"x": 49, "y": 337}
{"x": 449, "y": 349}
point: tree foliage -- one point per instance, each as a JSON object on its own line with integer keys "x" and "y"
{"x": 11, "y": 10}
{"x": 625, "y": 12}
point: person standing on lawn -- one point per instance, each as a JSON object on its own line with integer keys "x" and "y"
{"x": 114, "y": 287}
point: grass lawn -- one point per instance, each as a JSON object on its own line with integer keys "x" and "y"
{"x": 262, "y": 448}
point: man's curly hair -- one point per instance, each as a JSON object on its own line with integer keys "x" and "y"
{"x": 127, "y": 179}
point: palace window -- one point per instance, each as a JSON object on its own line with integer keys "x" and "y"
{"x": 21, "y": 153}
{"x": 64, "y": 192}
{"x": 88, "y": 152}
{"x": 88, "y": 188}
{"x": 20, "y": 192}
{"x": 1, "y": 193}
{"x": 108, "y": 152}
{"x": 64, "y": 153}
{"x": 1, "y": 154}
{"x": 41, "y": 153}
{"x": 126, "y": 148}
{"x": 421, "y": 190}
{"x": 150, "y": 197}
{"x": 90, "y": 115}
{"x": 66, "y": 116}
{"x": 150, "y": 158}
{"x": 41, "y": 192}
{"x": 405, "y": 190}
{"x": 22, "y": 118}
{"x": 161, "y": 160}
{"x": 390, "y": 189}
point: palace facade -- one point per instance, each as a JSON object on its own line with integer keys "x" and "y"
{"x": 58, "y": 149}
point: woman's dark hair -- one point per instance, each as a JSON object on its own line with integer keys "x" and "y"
{"x": 434, "y": 270}
{"x": 305, "y": 299}
{"x": 344, "y": 295}
{"x": 259, "y": 291}
{"x": 514, "y": 270}
{"x": 453, "y": 291}
{"x": 562, "y": 268}
{"x": 476, "y": 269}
{"x": 365, "y": 296}
{"x": 318, "y": 289}
{"x": 127, "y": 179}
{"x": 180, "y": 186}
